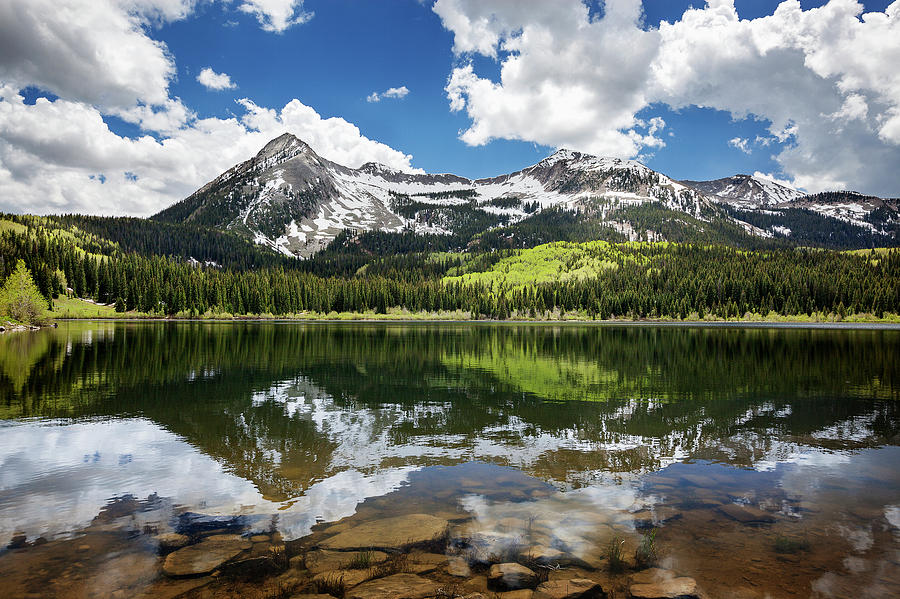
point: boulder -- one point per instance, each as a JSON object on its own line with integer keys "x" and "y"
{"x": 204, "y": 557}
{"x": 511, "y": 576}
{"x": 520, "y": 594}
{"x": 573, "y": 588}
{"x": 680, "y": 587}
{"x": 746, "y": 514}
{"x": 398, "y": 586}
{"x": 389, "y": 533}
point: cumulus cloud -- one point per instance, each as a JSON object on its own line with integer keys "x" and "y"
{"x": 566, "y": 80}
{"x": 277, "y": 15}
{"x": 53, "y": 153}
{"x": 209, "y": 79}
{"x": 391, "y": 92}
{"x": 822, "y": 79}
{"x": 774, "y": 179}
{"x": 92, "y": 51}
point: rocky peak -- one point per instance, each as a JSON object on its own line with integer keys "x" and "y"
{"x": 282, "y": 148}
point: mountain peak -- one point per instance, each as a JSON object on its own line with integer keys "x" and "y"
{"x": 281, "y": 149}
{"x": 378, "y": 168}
{"x": 285, "y": 145}
{"x": 563, "y": 154}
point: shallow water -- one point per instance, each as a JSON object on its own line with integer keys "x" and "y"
{"x": 562, "y": 436}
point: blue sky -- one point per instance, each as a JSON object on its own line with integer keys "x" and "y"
{"x": 351, "y": 48}
{"x": 493, "y": 86}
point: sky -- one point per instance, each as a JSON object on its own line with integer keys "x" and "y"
{"x": 123, "y": 107}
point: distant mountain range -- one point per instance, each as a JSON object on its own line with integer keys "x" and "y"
{"x": 292, "y": 200}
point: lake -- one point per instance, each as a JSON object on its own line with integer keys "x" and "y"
{"x": 757, "y": 461}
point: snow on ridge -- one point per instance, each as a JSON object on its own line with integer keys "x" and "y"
{"x": 584, "y": 161}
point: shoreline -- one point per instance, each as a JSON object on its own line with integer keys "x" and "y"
{"x": 756, "y": 324}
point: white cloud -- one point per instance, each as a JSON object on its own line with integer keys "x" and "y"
{"x": 50, "y": 150}
{"x": 774, "y": 179}
{"x": 741, "y": 144}
{"x": 215, "y": 81}
{"x": 565, "y": 81}
{"x": 823, "y": 79}
{"x": 92, "y": 51}
{"x": 277, "y": 15}
{"x": 395, "y": 92}
{"x": 391, "y": 92}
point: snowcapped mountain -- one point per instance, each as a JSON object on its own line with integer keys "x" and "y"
{"x": 294, "y": 201}
{"x": 746, "y": 191}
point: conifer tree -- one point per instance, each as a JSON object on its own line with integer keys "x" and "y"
{"x": 20, "y": 298}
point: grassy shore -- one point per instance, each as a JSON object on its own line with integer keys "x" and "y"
{"x": 77, "y": 309}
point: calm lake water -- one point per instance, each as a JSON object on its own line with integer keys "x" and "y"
{"x": 112, "y": 432}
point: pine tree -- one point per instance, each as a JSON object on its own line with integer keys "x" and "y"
{"x": 20, "y": 298}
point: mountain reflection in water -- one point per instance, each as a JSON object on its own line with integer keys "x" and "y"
{"x": 308, "y": 421}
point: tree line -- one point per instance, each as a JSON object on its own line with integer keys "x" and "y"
{"x": 667, "y": 281}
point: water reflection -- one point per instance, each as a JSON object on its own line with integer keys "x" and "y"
{"x": 591, "y": 431}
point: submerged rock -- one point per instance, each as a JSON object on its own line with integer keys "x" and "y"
{"x": 458, "y": 567}
{"x": 574, "y": 588}
{"x": 204, "y": 557}
{"x": 657, "y": 583}
{"x": 389, "y": 533}
{"x": 171, "y": 540}
{"x": 746, "y": 514}
{"x": 677, "y": 588}
{"x": 511, "y": 576}
{"x": 398, "y": 586}
{"x": 321, "y": 560}
{"x": 350, "y": 578}
{"x": 19, "y": 540}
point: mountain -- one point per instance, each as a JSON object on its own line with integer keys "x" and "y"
{"x": 746, "y": 191}
{"x": 295, "y": 202}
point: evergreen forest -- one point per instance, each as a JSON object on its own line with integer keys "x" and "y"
{"x": 146, "y": 268}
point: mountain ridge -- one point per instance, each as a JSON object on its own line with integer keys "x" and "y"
{"x": 296, "y": 202}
